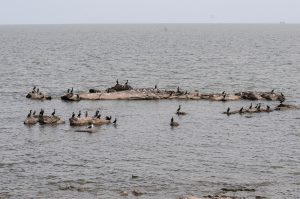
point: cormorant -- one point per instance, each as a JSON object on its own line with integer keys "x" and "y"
{"x": 71, "y": 90}
{"x": 68, "y": 91}
{"x": 228, "y": 110}
{"x": 126, "y": 82}
{"x": 29, "y": 114}
{"x": 115, "y": 121}
{"x": 241, "y": 110}
{"x": 108, "y": 118}
{"x": 117, "y": 82}
{"x": 98, "y": 116}
{"x": 178, "y": 108}
{"x": 53, "y": 113}
{"x": 250, "y": 107}
{"x": 258, "y": 107}
{"x": 73, "y": 115}
{"x": 33, "y": 113}
{"x": 172, "y": 123}
{"x": 42, "y": 112}
{"x": 86, "y": 113}
{"x": 155, "y": 87}
{"x": 79, "y": 114}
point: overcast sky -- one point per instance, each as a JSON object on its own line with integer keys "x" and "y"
{"x": 148, "y": 11}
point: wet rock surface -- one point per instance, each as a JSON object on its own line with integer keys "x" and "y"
{"x": 45, "y": 119}
{"x": 77, "y": 121}
{"x": 120, "y": 93}
{"x": 38, "y": 96}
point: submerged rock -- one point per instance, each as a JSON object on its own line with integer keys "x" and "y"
{"x": 137, "y": 192}
{"x": 123, "y": 193}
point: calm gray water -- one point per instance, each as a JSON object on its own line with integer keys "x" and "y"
{"x": 207, "y": 152}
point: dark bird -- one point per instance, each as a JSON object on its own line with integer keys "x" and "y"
{"x": 272, "y": 91}
{"x": 29, "y": 114}
{"x": 178, "y": 90}
{"x": 99, "y": 116}
{"x": 224, "y": 96}
{"x": 33, "y": 113}
{"x": 108, "y": 118}
{"x": 250, "y": 107}
{"x": 178, "y": 112}
{"x": 33, "y": 89}
{"x": 79, "y": 114}
{"x": 268, "y": 107}
{"x": 37, "y": 90}
{"x": 86, "y": 113}
{"x": 258, "y": 107}
{"x": 223, "y": 92}
{"x": 71, "y": 90}
{"x": 117, "y": 82}
{"x": 241, "y": 110}
{"x": 53, "y": 113}
{"x": 172, "y": 123}
{"x": 115, "y": 121}
{"x": 126, "y": 82}
{"x": 155, "y": 87}
{"x": 42, "y": 112}
{"x": 73, "y": 115}
{"x": 96, "y": 114}
{"x": 68, "y": 91}
{"x": 178, "y": 108}
{"x": 228, "y": 110}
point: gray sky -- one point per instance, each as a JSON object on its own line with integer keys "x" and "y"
{"x": 148, "y": 11}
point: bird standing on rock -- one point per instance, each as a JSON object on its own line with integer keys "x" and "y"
{"x": 29, "y": 114}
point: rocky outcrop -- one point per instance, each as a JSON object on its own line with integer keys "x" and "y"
{"x": 81, "y": 121}
{"x": 43, "y": 120}
{"x": 155, "y": 94}
{"x": 38, "y": 96}
{"x": 51, "y": 120}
